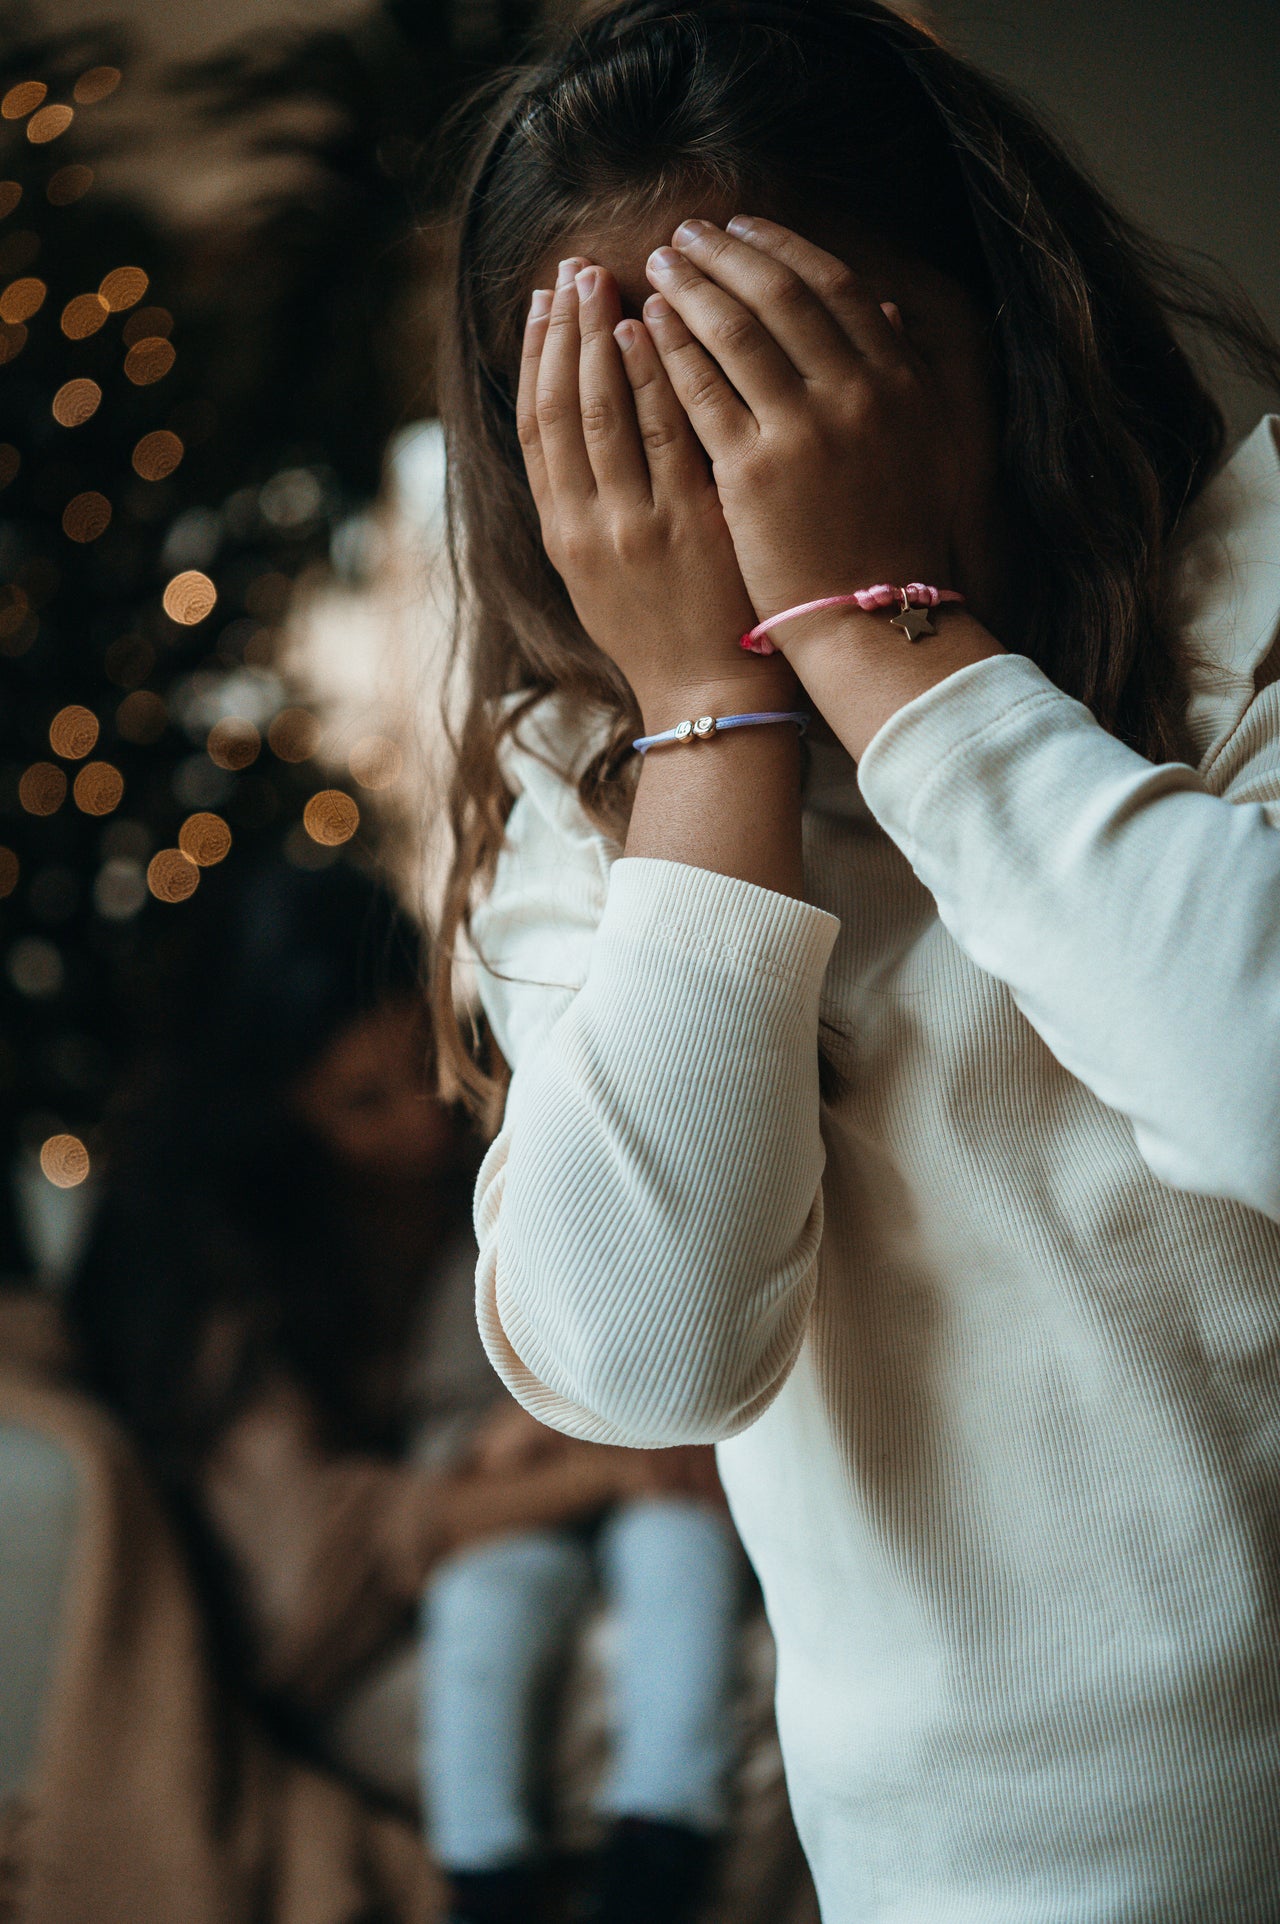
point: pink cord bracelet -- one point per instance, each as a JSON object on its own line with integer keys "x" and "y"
{"x": 916, "y": 594}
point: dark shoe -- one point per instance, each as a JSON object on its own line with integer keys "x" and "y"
{"x": 515, "y": 1895}
{"x": 653, "y": 1873}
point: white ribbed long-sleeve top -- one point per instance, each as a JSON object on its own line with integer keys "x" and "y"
{"x": 989, "y": 1337}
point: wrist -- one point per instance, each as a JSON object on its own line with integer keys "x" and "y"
{"x": 775, "y": 688}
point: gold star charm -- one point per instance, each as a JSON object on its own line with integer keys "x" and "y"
{"x": 913, "y": 622}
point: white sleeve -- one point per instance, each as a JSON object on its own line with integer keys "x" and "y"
{"x": 1133, "y": 911}
{"x": 649, "y": 1215}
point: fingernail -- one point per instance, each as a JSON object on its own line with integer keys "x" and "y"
{"x": 587, "y": 279}
{"x": 663, "y": 259}
{"x": 892, "y": 314}
{"x": 625, "y": 334}
{"x": 540, "y": 304}
{"x": 741, "y": 225}
{"x": 691, "y": 230}
{"x": 567, "y": 270}
{"x": 655, "y": 308}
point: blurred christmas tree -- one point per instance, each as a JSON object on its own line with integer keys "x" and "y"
{"x": 189, "y": 421}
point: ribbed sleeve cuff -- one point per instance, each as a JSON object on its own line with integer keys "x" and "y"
{"x": 696, "y": 912}
{"x": 938, "y": 748}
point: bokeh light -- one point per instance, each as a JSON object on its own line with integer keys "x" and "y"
{"x": 10, "y": 195}
{"x": 10, "y": 462}
{"x": 42, "y": 788}
{"x": 22, "y": 298}
{"x": 10, "y": 869}
{"x": 190, "y": 597}
{"x": 86, "y": 516}
{"x": 73, "y": 732}
{"x": 149, "y": 360}
{"x": 172, "y": 876}
{"x": 47, "y": 123}
{"x": 83, "y": 315}
{"x": 22, "y": 99}
{"x": 331, "y": 817}
{"x": 98, "y": 788}
{"x": 12, "y": 341}
{"x": 204, "y": 839}
{"x": 76, "y": 402}
{"x": 147, "y": 321}
{"x": 95, "y": 85}
{"x": 142, "y": 718}
{"x": 293, "y": 734}
{"x": 123, "y": 287}
{"x": 157, "y": 455}
{"x": 64, "y": 1160}
{"x": 233, "y": 743}
{"x": 68, "y": 185}
{"x": 376, "y": 761}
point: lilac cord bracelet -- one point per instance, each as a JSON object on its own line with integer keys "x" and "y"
{"x": 705, "y": 726}
{"x": 916, "y": 594}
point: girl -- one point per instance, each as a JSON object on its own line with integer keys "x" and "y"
{"x": 277, "y": 1297}
{"x": 898, "y": 1109}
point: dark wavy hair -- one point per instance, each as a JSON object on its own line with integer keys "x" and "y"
{"x": 1108, "y": 428}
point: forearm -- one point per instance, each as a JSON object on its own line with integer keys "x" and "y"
{"x": 573, "y": 1484}
{"x": 857, "y": 671}
{"x": 730, "y": 804}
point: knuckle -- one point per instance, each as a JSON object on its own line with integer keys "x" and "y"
{"x": 735, "y": 331}
{"x": 786, "y": 290}
{"x": 704, "y": 389}
{"x": 550, "y": 411}
{"x": 599, "y": 418}
{"x": 659, "y": 435}
{"x": 839, "y": 284}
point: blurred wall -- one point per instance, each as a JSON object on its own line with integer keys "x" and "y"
{"x": 1175, "y": 104}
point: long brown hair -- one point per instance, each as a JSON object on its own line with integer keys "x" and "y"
{"x": 1109, "y": 431}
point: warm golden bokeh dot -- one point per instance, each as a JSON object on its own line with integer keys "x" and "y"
{"x": 86, "y": 516}
{"x": 64, "y": 1160}
{"x": 95, "y": 85}
{"x": 142, "y": 717}
{"x": 98, "y": 788}
{"x": 42, "y": 788}
{"x": 23, "y": 99}
{"x": 83, "y": 315}
{"x": 190, "y": 597}
{"x": 48, "y": 123}
{"x": 73, "y": 732}
{"x": 149, "y": 360}
{"x": 331, "y": 817}
{"x": 376, "y": 761}
{"x": 21, "y": 299}
{"x": 12, "y": 342}
{"x": 76, "y": 402}
{"x": 233, "y": 743}
{"x": 123, "y": 287}
{"x": 204, "y": 839}
{"x": 10, "y": 195}
{"x": 147, "y": 321}
{"x": 157, "y": 455}
{"x": 293, "y": 734}
{"x": 171, "y": 876}
{"x": 69, "y": 184}
{"x": 10, "y": 462}
{"x": 10, "y": 869}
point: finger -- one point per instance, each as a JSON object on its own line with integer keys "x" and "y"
{"x": 717, "y": 413}
{"x": 676, "y": 462}
{"x": 559, "y": 410}
{"x": 842, "y": 291}
{"x": 794, "y": 314}
{"x": 731, "y": 333}
{"x": 530, "y": 436}
{"x": 610, "y": 429}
